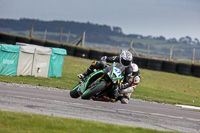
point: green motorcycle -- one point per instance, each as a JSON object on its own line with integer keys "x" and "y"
{"x": 99, "y": 83}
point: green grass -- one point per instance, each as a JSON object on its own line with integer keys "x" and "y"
{"x": 32, "y": 123}
{"x": 71, "y": 68}
{"x": 154, "y": 86}
{"x": 168, "y": 88}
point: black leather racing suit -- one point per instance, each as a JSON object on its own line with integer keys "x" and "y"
{"x": 128, "y": 70}
{"x": 101, "y": 65}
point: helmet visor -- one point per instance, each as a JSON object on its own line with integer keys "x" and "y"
{"x": 125, "y": 62}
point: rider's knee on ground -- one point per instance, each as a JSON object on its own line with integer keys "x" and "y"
{"x": 124, "y": 101}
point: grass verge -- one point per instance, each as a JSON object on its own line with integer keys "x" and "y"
{"x": 33, "y": 123}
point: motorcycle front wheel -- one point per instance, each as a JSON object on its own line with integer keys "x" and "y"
{"x": 94, "y": 91}
{"x": 74, "y": 93}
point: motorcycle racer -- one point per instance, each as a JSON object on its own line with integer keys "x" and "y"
{"x": 131, "y": 75}
{"x": 133, "y": 80}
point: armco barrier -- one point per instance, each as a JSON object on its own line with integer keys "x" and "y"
{"x": 167, "y": 66}
{"x": 95, "y": 54}
{"x": 154, "y": 64}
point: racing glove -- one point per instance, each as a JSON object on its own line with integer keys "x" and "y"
{"x": 123, "y": 86}
{"x": 103, "y": 58}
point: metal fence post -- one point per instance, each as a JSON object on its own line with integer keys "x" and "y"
{"x": 83, "y": 39}
{"x": 131, "y": 49}
{"x": 131, "y": 44}
{"x": 148, "y": 50}
{"x": 68, "y": 35}
{"x": 45, "y": 34}
{"x": 193, "y": 56}
{"x": 171, "y": 52}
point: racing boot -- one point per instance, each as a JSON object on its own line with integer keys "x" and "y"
{"x": 126, "y": 94}
{"x": 124, "y": 99}
{"x": 89, "y": 70}
{"x": 85, "y": 74}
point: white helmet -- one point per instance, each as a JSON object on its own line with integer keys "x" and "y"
{"x": 126, "y": 58}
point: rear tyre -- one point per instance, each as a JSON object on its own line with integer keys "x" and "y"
{"x": 74, "y": 93}
{"x": 94, "y": 91}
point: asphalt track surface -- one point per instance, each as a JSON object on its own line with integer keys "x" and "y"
{"x": 138, "y": 113}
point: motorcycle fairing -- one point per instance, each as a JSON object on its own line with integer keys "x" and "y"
{"x": 84, "y": 85}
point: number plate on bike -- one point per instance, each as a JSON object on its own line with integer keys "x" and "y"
{"x": 117, "y": 72}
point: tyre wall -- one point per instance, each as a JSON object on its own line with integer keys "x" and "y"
{"x": 37, "y": 42}
{"x": 81, "y": 52}
{"x": 108, "y": 54}
{"x": 95, "y": 54}
{"x": 196, "y": 70}
{"x": 23, "y": 39}
{"x": 143, "y": 63}
{"x": 7, "y": 39}
{"x": 152, "y": 64}
{"x": 136, "y": 60}
{"x": 52, "y": 44}
{"x": 184, "y": 69}
{"x": 70, "y": 49}
{"x": 168, "y": 66}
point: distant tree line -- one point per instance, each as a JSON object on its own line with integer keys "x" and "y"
{"x": 94, "y": 32}
{"x": 55, "y": 26}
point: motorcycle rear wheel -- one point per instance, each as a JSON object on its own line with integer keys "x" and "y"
{"x": 94, "y": 91}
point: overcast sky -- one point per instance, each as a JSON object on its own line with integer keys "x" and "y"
{"x": 169, "y": 18}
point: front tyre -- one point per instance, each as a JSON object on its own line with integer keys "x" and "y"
{"x": 74, "y": 93}
{"x": 94, "y": 91}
